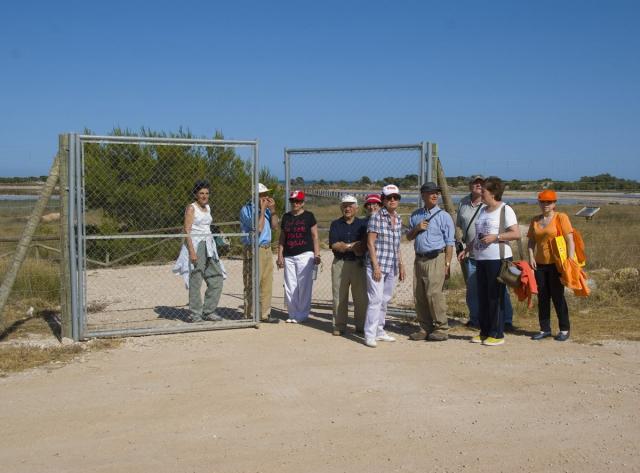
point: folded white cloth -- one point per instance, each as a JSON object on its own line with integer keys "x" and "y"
{"x": 183, "y": 265}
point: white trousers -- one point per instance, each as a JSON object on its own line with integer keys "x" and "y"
{"x": 298, "y": 283}
{"x": 379, "y": 293}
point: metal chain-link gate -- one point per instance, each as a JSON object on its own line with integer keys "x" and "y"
{"x": 327, "y": 174}
{"x": 126, "y": 206}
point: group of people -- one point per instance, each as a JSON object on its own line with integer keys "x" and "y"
{"x": 367, "y": 260}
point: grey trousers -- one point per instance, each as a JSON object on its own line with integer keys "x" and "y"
{"x": 209, "y": 270}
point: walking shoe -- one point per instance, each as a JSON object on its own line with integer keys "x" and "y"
{"x": 562, "y": 336}
{"x": 477, "y": 339}
{"x": 212, "y": 317}
{"x": 291, "y": 321}
{"x": 337, "y": 333}
{"x": 509, "y": 328}
{"x": 541, "y": 335}
{"x": 370, "y": 342}
{"x": 385, "y": 338}
{"x": 195, "y": 318}
{"x": 437, "y": 337}
{"x": 492, "y": 342}
{"x": 419, "y": 335}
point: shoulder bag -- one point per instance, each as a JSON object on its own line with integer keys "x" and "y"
{"x": 509, "y": 273}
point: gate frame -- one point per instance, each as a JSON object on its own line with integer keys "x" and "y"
{"x": 74, "y": 277}
{"x": 427, "y": 152}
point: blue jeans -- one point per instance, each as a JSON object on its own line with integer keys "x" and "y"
{"x": 472, "y": 296}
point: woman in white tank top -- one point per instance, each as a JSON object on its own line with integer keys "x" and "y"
{"x": 203, "y": 256}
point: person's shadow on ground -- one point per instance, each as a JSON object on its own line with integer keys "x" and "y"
{"x": 183, "y": 314}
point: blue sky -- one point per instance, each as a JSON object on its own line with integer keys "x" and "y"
{"x": 518, "y": 89}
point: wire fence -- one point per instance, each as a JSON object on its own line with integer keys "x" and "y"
{"x": 38, "y": 280}
{"x": 134, "y": 197}
{"x": 326, "y": 175}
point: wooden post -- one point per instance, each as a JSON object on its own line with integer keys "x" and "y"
{"x": 25, "y": 240}
{"x": 446, "y": 195}
{"x": 65, "y": 275}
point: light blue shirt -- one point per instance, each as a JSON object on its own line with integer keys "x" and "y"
{"x": 246, "y": 224}
{"x": 439, "y": 233}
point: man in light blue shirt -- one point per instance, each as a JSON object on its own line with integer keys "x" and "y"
{"x": 433, "y": 233}
{"x": 267, "y": 221}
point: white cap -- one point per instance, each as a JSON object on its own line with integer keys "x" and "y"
{"x": 349, "y": 199}
{"x": 390, "y": 190}
{"x": 262, "y": 188}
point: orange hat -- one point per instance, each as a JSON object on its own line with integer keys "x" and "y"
{"x": 548, "y": 194}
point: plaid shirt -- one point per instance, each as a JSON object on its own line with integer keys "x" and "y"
{"x": 387, "y": 242}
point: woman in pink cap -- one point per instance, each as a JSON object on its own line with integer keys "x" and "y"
{"x": 298, "y": 252}
{"x": 372, "y": 204}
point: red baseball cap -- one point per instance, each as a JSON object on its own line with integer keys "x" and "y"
{"x": 296, "y": 195}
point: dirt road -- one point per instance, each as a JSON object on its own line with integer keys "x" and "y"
{"x": 289, "y": 398}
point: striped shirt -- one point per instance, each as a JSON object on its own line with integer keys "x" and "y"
{"x": 387, "y": 242}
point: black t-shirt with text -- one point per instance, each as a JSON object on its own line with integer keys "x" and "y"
{"x": 297, "y": 232}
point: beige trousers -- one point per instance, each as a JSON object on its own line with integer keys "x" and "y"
{"x": 265, "y": 281}
{"x": 431, "y": 305}
{"x": 345, "y": 274}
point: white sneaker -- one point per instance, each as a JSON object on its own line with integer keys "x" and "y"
{"x": 289, "y": 321}
{"x": 370, "y": 342}
{"x": 293, "y": 321}
{"x": 385, "y": 338}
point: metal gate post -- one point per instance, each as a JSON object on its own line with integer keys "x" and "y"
{"x": 430, "y": 162}
{"x": 255, "y": 241}
{"x": 81, "y": 232}
{"x": 65, "y": 271}
{"x": 72, "y": 218}
{"x": 287, "y": 180}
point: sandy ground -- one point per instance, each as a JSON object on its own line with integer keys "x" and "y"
{"x": 152, "y": 297}
{"x": 286, "y": 398}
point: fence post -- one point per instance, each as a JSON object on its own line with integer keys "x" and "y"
{"x": 65, "y": 278}
{"x": 25, "y": 240}
{"x": 446, "y": 196}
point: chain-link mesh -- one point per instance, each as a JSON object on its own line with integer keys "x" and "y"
{"x": 135, "y": 196}
{"x": 327, "y": 175}
{"x": 38, "y": 280}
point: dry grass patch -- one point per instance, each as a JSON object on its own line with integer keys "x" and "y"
{"x": 609, "y": 313}
{"x": 20, "y": 357}
{"x": 28, "y": 341}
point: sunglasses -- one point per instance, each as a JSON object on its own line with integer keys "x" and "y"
{"x": 547, "y": 202}
{"x": 294, "y": 201}
{"x": 393, "y": 197}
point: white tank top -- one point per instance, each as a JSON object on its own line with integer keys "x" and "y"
{"x": 202, "y": 226}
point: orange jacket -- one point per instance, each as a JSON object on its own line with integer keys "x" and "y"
{"x": 573, "y": 277}
{"x": 528, "y": 285}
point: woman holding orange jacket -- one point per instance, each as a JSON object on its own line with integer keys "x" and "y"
{"x": 543, "y": 230}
